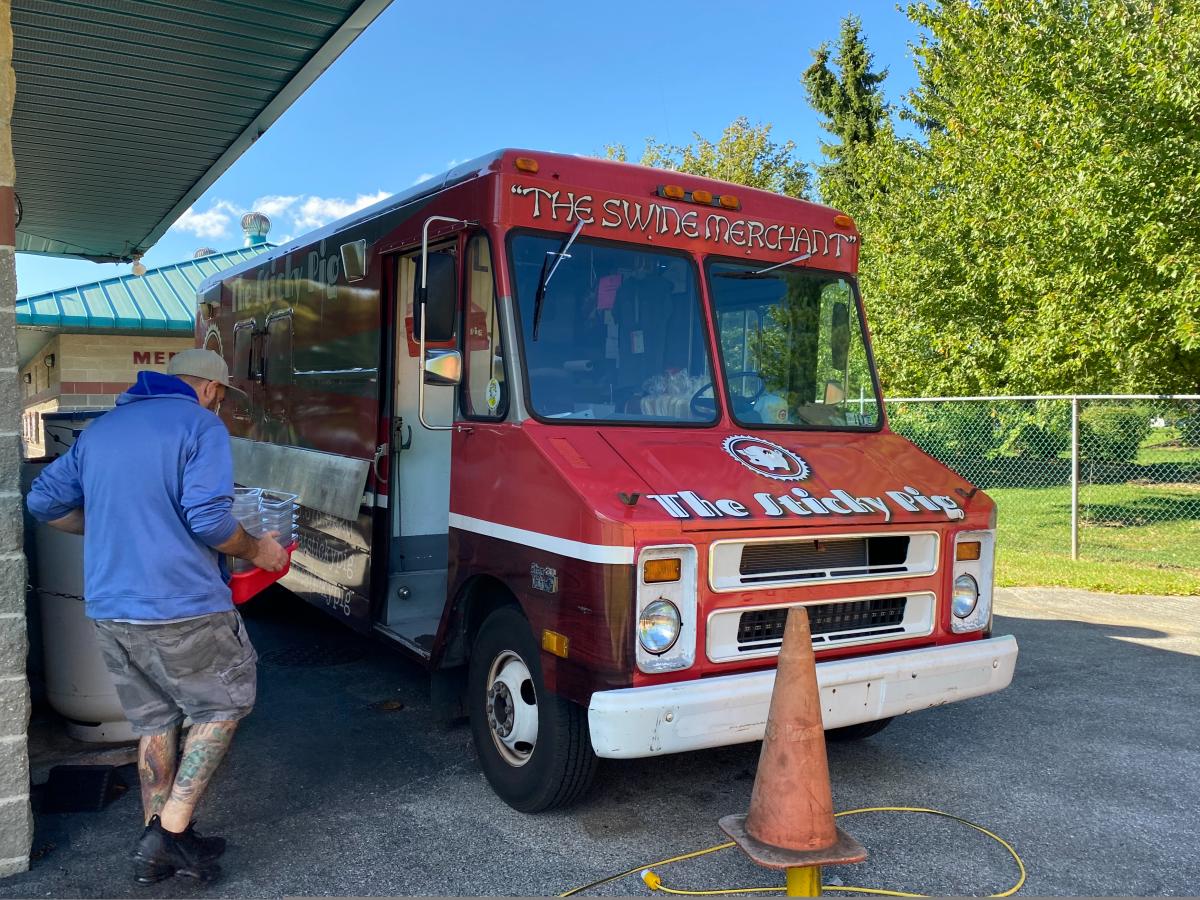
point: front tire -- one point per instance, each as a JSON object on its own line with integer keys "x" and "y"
{"x": 534, "y": 747}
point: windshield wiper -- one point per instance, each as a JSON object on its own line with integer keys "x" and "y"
{"x": 544, "y": 281}
{"x": 782, "y": 264}
{"x": 757, "y": 273}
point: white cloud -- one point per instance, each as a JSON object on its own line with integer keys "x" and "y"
{"x": 213, "y": 223}
{"x": 314, "y": 212}
{"x": 273, "y": 204}
{"x": 293, "y": 213}
{"x": 424, "y": 176}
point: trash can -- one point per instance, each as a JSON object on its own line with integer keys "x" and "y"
{"x": 78, "y": 685}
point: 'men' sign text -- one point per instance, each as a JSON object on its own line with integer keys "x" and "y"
{"x": 152, "y": 357}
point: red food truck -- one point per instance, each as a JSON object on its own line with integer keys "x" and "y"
{"x": 576, "y": 434}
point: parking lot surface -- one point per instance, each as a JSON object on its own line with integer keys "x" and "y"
{"x": 342, "y": 782}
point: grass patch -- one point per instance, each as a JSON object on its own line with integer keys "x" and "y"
{"x": 1158, "y": 449}
{"x": 1133, "y": 539}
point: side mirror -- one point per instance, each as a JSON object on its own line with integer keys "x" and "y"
{"x": 839, "y": 336}
{"x": 439, "y": 298}
{"x": 443, "y": 367}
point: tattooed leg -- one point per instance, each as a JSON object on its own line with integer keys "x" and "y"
{"x": 202, "y": 753}
{"x": 156, "y": 769}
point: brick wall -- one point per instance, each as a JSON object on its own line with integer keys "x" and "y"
{"x": 89, "y": 371}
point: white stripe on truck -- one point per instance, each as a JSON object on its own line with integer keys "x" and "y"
{"x": 593, "y": 553}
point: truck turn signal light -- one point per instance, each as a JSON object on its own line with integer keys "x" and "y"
{"x": 657, "y": 571}
{"x": 967, "y": 550}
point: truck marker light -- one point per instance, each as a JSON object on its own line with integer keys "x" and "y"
{"x": 841, "y": 220}
{"x": 553, "y": 642}
{"x": 525, "y": 164}
{"x": 702, "y": 197}
{"x": 657, "y": 571}
{"x": 673, "y": 192}
{"x": 968, "y": 550}
{"x": 729, "y": 201}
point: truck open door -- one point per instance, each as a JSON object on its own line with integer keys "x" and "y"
{"x": 419, "y": 485}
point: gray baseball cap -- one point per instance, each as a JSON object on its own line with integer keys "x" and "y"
{"x": 201, "y": 364}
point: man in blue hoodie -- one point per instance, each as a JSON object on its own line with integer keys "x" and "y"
{"x": 152, "y": 481}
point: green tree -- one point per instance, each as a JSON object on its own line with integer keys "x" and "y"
{"x": 1043, "y": 233}
{"x": 744, "y": 154}
{"x": 851, "y": 100}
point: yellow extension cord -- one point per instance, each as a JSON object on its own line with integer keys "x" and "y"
{"x": 653, "y": 881}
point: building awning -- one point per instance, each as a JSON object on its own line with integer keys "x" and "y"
{"x": 162, "y": 301}
{"x": 127, "y": 112}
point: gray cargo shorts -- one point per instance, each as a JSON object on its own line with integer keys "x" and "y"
{"x": 203, "y": 668}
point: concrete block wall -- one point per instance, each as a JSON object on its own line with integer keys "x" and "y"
{"x": 16, "y": 818}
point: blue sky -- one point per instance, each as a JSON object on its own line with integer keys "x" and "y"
{"x": 421, "y": 90}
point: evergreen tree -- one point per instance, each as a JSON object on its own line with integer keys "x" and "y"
{"x": 851, "y": 100}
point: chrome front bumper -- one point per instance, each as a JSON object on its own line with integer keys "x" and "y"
{"x": 732, "y": 709}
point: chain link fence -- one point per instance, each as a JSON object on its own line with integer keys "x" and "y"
{"x": 1112, "y": 478}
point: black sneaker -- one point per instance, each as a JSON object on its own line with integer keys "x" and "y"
{"x": 210, "y": 847}
{"x": 161, "y": 854}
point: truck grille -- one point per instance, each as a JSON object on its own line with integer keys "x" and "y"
{"x": 847, "y": 557}
{"x": 750, "y": 633}
{"x": 856, "y": 615}
{"x": 742, "y": 565}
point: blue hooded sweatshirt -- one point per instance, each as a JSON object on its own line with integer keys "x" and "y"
{"x": 154, "y": 477}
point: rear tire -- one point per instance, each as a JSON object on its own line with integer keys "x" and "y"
{"x": 534, "y": 747}
{"x": 857, "y": 732}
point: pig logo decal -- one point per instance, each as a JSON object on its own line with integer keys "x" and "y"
{"x": 767, "y": 459}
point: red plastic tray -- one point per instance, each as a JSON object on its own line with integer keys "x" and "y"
{"x": 246, "y": 585}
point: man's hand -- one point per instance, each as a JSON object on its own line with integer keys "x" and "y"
{"x": 264, "y": 552}
{"x": 269, "y": 555}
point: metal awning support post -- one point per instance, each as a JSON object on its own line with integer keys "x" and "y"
{"x": 16, "y": 820}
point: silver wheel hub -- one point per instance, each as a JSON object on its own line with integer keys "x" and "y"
{"x": 500, "y": 711}
{"x": 511, "y": 705}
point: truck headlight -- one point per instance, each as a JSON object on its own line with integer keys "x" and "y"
{"x": 665, "y": 613}
{"x": 966, "y": 595}
{"x": 971, "y": 596}
{"x": 658, "y": 626}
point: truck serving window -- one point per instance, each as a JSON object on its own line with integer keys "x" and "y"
{"x": 793, "y": 348}
{"x": 619, "y": 332}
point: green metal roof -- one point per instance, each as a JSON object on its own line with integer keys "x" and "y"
{"x": 162, "y": 300}
{"x": 127, "y": 111}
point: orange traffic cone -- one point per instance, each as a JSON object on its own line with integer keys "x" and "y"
{"x": 790, "y": 824}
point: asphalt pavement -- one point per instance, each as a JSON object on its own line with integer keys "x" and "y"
{"x": 343, "y": 782}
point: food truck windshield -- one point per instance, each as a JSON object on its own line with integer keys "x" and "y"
{"x": 616, "y": 332}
